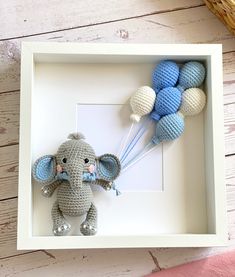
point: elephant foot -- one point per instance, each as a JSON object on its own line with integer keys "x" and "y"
{"x": 61, "y": 230}
{"x": 87, "y": 229}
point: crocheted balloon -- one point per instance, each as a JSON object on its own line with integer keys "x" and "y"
{"x": 168, "y": 128}
{"x": 165, "y": 74}
{"x": 172, "y": 103}
{"x": 191, "y": 75}
{"x": 193, "y": 101}
{"x": 142, "y": 102}
{"x": 167, "y": 101}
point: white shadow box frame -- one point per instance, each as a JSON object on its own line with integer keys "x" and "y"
{"x": 187, "y": 208}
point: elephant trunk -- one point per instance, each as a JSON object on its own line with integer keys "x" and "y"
{"x": 75, "y": 172}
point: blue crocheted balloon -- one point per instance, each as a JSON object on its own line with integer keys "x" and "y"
{"x": 168, "y": 128}
{"x": 168, "y": 101}
{"x": 191, "y": 75}
{"x": 165, "y": 74}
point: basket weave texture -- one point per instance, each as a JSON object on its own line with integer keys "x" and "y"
{"x": 224, "y": 10}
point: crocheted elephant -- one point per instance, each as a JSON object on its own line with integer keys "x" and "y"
{"x": 72, "y": 170}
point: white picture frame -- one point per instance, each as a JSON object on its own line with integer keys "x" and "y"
{"x": 193, "y": 194}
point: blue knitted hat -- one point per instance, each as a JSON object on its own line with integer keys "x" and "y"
{"x": 168, "y": 128}
{"x": 165, "y": 75}
{"x": 167, "y": 102}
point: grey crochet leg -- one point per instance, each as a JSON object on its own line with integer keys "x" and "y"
{"x": 89, "y": 226}
{"x": 60, "y": 226}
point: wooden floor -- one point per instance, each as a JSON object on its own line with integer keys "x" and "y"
{"x": 125, "y": 21}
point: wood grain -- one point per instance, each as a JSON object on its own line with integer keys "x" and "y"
{"x": 8, "y": 226}
{"x": 173, "y": 27}
{"x": 97, "y": 263}
{"x": 36, "y": 17}
{"x": 230, "y": 170}
{"x": 8, "y": 218}
{"x": 9, "y": 118}
{"x": 229, "y": 128}
{"x": 229, "y": 77}
{"x": 8, "y": 171}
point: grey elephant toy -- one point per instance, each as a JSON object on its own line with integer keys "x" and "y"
{"x": 72, "y": 170}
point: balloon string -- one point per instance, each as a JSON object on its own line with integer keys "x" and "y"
{"x": 137, "y": 155}
{"x": 123, "y": 145}
{"x": 133, "y": 144}
{"x": 134, "y": 140}
{"x": 149, "y": 147}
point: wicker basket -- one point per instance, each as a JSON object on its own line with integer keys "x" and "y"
{"x": 225, "y": 10}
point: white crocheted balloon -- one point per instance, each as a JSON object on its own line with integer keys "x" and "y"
{"x": 193, "y": 101}
{"x": 142, "y": 102}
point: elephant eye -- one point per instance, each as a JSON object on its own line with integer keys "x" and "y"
{"x": 64, "y": 160}
{"x": 86, "y": 161}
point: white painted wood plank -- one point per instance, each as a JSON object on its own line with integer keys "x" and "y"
{"x": 173, "y": 27}
{"x": 229, "y": 77}
{"x": 117, "y": 262}
{"x": 8, "y": 211}
{"x": 231, "y": 224}
{"x": 175, "y": 256}
{"x": 8, "y": 216}
{"x": 99, "y": 263}
{"x": 8, "y": 171}
{"x": 9, "y": 118}
{"x": 231, "y": 199}
{"x": 230, "y": 170}
{"x": 8, "y": 186}
{"x": 22, "y": 18}
{"x": 229, "y": 128}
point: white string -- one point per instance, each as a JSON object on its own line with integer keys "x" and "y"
{"x": 124, "y": 143}
{"x": 139, "y": 157}
{"x": 133, "y": 143}
{"x": 143, "y": 128}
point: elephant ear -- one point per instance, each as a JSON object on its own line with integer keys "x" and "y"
{"x": 44, "y": 169}
{"x": 108, "y": 167}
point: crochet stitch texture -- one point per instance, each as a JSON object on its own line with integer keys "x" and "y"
{"x": 168, "y": 128}
{"x": 167, "y": 101}
{"x": 142, "y": 102}
{"x": 165, "y": 75}
{"x": 73, "y": 162}
{"x": 191, "y": 75}
{"x": 193, "y": 101}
